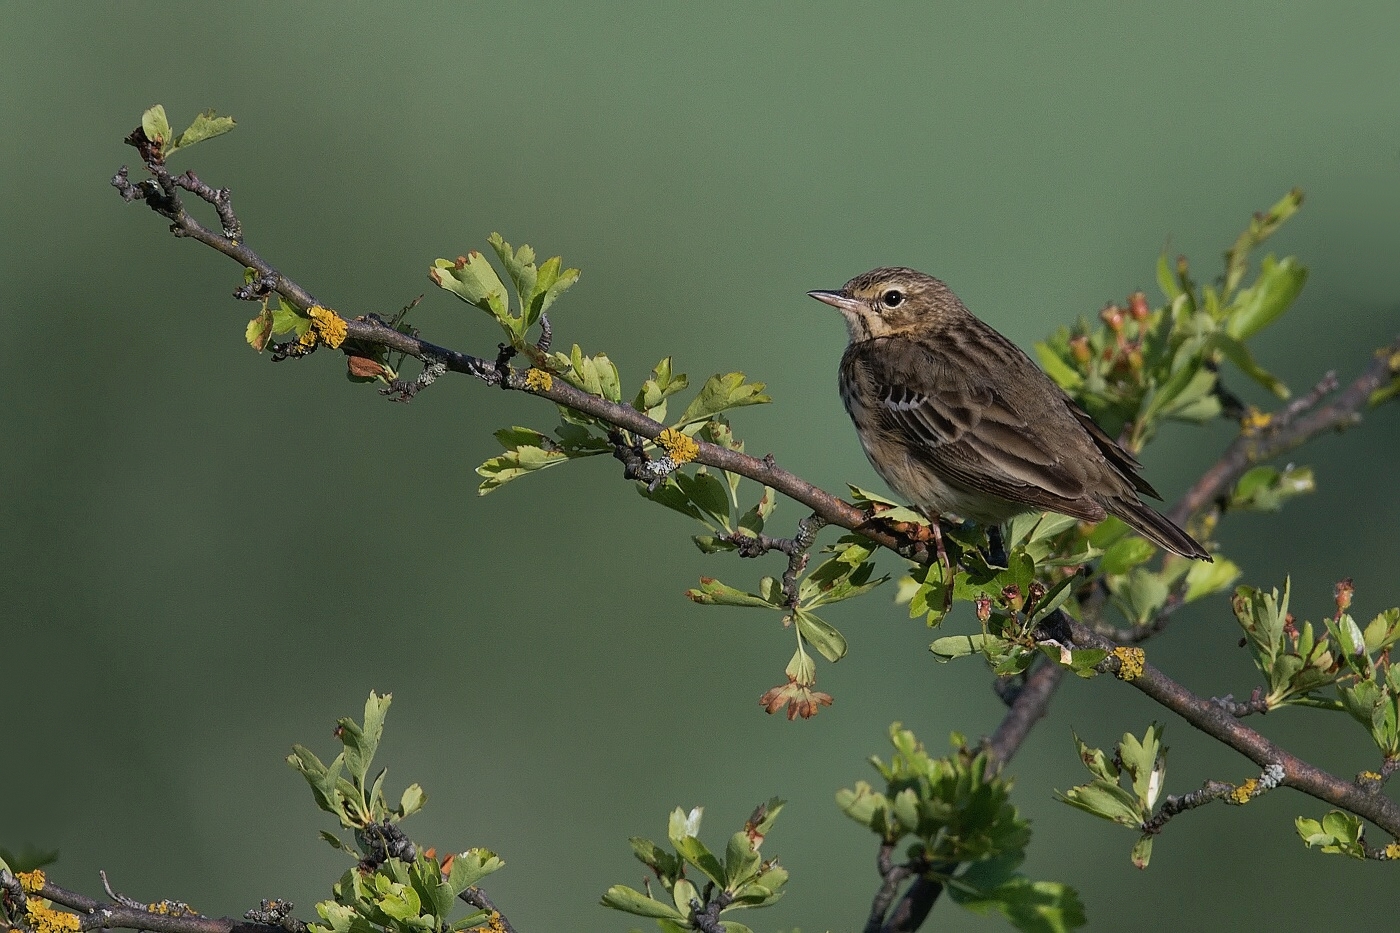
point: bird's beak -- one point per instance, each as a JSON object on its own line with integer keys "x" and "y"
{"x": 838, "y": 300}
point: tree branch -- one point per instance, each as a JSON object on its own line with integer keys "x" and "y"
{"x": 1285, "y": 430}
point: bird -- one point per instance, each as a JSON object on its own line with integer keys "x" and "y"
{"x": 960, "y": 422}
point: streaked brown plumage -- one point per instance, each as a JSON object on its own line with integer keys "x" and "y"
{"x": 957, "y": 419}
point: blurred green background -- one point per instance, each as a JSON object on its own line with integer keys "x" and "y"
{"x": 206, "y": 558}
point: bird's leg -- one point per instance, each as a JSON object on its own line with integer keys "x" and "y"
{"x": 936, "y": 531}
{"x": 996, "y": 547}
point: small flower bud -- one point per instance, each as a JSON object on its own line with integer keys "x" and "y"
{"x": 1079, "y": 347}
{"x": 1137, "y": 306}
{"x": 1112, "y": 315}
{"x": 1344, "y": 592}
{"x": 984, "y": 607}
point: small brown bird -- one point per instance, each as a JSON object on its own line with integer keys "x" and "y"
{"x": 958, "y": 420}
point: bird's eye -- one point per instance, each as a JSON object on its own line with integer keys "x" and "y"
{"x": 892, "y": 298}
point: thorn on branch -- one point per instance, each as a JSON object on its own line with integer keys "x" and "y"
{"x": 117, "y": 898}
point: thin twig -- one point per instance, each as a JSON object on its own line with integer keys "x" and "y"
{"x": 1174, "y": 804}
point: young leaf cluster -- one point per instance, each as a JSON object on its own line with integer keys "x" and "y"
{"x": 957, "y": 816}
{"x": 394, "y": 888}
{"x": 343, "y": 788}
{"x": 473, "y": 279}
{"x": 694, "y": 879}
{"x": 1299, "y": 660}
{"x": 1144, "y": 365}
{"x": 156, "y": 125}
{"x": 400, "y": 896}
{"x": 1143, "y": 763}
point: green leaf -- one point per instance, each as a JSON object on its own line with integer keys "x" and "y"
{"x": 1339, "y": 833}
{"x": 1105, "y": 800}
{"x": 754, "y": 519}
{"x": 1126, "y": 554}
{"x": 672, "y": 496}
{"x": 1142, "y": 851}
{"x": 1256, "y": 307}
{"x": 411, "y": 801}
{"x": 323, "y": 780}
{"x": 1030, "y": 906}
{"x": 205, "y": 126}
{"x": 155, "y": 125}
{"x": 820, "y": 635}
{"x": 894, "y": 513}
{"x": 1056, "y": 368}
{"x": 514, "y": 464}
{"x": 1139, "y": 594}
{"x": 708, "y": 493}
{"x": 1266, "y": 488}
{"x": 721, "y": 393}
{"x": 558, "y": 283}
{"x": 1166, "y": 279}
{"x": 1145, "y": 762}
{"x": 520, "y": 267}
{"x": 472, "y": 279}
{"x": 697, "y": 854}
{"x": 714, "y": 593}
{"x": 651, "y": 397}
{"x": 1205, "y": 579}
{"x": 741, "y": 860}
{"x": 1237, "y": 353}
{"x": 958, "y": 646}
{"x": 1053, "y": 600}
{"x": 620, "y": 897}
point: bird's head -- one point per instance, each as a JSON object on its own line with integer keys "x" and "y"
{"x": 891, "y": 301}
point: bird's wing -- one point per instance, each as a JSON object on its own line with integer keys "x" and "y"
{"x": 1124, "y": 462}
{"x": 953, "y": 410}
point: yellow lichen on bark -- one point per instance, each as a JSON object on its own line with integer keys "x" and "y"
{"x": 681, "y": 448}
{"x": 329, "y": 326}
{"x": 1130, "y": 662}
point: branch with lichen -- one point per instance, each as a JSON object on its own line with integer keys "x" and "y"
{"x": 652, "y": 451}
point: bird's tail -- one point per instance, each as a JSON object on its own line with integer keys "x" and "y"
{"x": 1156, "y": 527}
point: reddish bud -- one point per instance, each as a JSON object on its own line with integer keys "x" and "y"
{"x": 1036, "y": 592}
{"x": 984, "y": 607}
{"x": 1112, "y": 315}
{"x": 1079, "y": 348}
{"x": 1344, "y": 593}
{"x": 1137, "y": 306}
